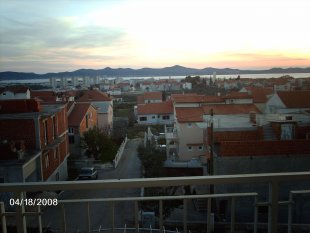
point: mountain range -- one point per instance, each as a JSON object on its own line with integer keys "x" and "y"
{"x": 144, "y": 72}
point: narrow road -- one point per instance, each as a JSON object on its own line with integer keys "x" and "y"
{"x": 100, "y": 213}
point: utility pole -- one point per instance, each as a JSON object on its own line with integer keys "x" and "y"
{"x": 211, "y": 167}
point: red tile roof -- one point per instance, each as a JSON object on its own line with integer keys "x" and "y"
{"x": 19, "y": 106}
{"x": 155, "y": 108}
{"x": 15, "y": 89}
{"x": 93, "y": 96}
{"x": 153, "y": 95}
{"x": 260, "y": 95}
{"x": 79, "y": 111}
{"x": 140, "y": 99}
{"x": 237, "y": 95}
{"x": 188, "y": 98}
{"x": 189, "y": 114}
{"x": 226, "y": 109}
{"x": 295, "y": 99}
{"x": 213, "y": 99}
{"x": 42, "y": 93}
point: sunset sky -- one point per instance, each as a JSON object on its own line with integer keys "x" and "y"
{"x": 54, "y": 36}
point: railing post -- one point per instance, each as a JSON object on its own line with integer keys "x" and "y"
{"x": 209, "y": 216}
{"x": 136, "y": 216}
{"x": 3, "y": 218}
{"x": 113, "y": 216}
{"x": 161, "y": 216}
{"x": 39, "y": 219}
{"x": 20, "y": 211}
{"x": 290, "y": 214}
{"x": 185, "y": 215}
{"x": 232, "y": 215}
{"x": 88, "y": 217}
{"x": 255, "y": 214}
{"x": 64, "y": 223}
{"x": 273, "y": 207}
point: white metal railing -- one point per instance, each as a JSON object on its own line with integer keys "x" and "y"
{"x": 273, "y": 179}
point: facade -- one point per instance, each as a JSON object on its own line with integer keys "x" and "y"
{"x": 43, "y": 129}
{"x": 81, "y": 117}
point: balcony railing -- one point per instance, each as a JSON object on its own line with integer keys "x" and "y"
{"x": 274, "y": 180}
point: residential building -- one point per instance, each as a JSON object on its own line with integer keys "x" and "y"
{"x": 260, "y": 95}
{"x": 81, "y": 117}
{"x": 150, "y": 97}
{"x": 288, "y": 102}
{"x": 42, "y": 129}
{"x": 238, "y": 98}
{"x": 187, "y": 137}
{"x": 155, "y": 113}
{"x": 104, "y": 105}
{"x": 14, "y": 92}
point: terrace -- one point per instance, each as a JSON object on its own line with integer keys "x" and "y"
{"x": 274, "y": 181}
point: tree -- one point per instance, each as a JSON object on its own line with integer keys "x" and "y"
{"x": 99, "y": 145}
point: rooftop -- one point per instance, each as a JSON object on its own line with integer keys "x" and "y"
{"x": 78, "y": 113}
{"x": 153, "y": 95}
{"x": 295, "y": 99}
{"x": 189, "y": 114}
{"x": 155, "y": 108}
{"x": 229, "y": 109}
{"x": 14, "y": 89}
{"x": 188, "y": 98}
{"x": 93, "y": 96}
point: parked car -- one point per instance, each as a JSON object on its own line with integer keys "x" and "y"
{"x": 88, "y": 173}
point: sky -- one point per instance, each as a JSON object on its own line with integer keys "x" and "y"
{"x": 55, "y": 36}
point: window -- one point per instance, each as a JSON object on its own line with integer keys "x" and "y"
{"x": 189, "y": 125}
{"x": 1, "y": 179}
{"x": 56, "y": 153}
{"x": 71, "y": 130}
{"x": 153, "y": 117}
{"x": 57, "y": 176}
{"x": 189, "y": 148}
{"x": 47, "y": 162}
{"x": 71, "y": 139}
{"x": 87, "y": 121}
{"x": 45, "y": 132}
{"x": 54, "y": 127}
{"x": 200, "y": 148}
{"x": 143, "y": 118}
{"x": 166, "y": 117}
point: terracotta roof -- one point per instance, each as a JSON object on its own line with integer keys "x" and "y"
{"x": 188, "y": 98}
{"x": 156, "y": 95}
{"x": 189, "y": 114}
{"x": 15, "y": 89}
{"x": 155, "y": 108}
{"x": 213, "y": 99}
{"x": 93, "y": 96}
{"x": 226, "y": 109}
{"x": 237, "y": 95}
{"x": 260, "y": 95}
{"x": 42, "y": 94}
{"x": 19, "y": 106}
{"x": 295, "y": 99}
{"x": 79, "y": 111}
{"x": 46, "y": 99}
{"x": 140, "y": 99}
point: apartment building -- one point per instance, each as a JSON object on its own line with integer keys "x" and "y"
{"x": 34, "y": 141}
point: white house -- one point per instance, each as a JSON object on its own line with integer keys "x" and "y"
{"x": 14, "y": 92}
{"x": 155, "y": 113}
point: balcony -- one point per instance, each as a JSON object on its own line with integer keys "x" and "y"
{"x": 171, "y": 133}
{"x": 128, "y": 205}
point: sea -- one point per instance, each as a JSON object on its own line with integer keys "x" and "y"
{"x": 254, "y": 76}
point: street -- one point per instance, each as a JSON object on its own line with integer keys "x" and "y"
{"x": 100, "y": 213}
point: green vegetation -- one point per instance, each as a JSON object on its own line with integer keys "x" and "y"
{"x": 99, "y": 145}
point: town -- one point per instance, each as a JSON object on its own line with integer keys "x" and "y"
{"x": 101, "y": 129}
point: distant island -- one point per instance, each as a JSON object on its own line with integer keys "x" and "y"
{"x": 143, "y": 72}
